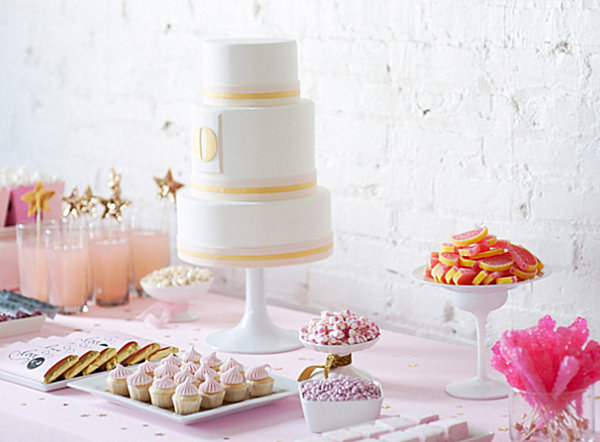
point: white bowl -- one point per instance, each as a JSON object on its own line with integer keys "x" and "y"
{"x": 178, "y": 295}
{"x": 329, "y": 415}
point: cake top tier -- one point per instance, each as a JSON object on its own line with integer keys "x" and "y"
{"x": 250, "y": 71}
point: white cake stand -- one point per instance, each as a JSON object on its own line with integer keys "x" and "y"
{"x": 256, "y": 333}
{"x": 343, "y": 350}
{"x": 480, "y": 301}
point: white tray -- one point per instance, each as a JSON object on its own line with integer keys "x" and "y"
{"x": 56, "y": 385}
{"x": 96, "y": 385}
{"x": 21, "y": 326}
{"x": 479, "y": 435}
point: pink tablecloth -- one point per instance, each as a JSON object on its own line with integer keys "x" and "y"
{"x": 413, "y": 372}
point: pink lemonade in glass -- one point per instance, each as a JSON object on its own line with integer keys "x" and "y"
{"x": 32, "y": 270}
{"x": 110, "y": 270}
{"x": 149, "y": 252}
{"x": 67, "y": 285}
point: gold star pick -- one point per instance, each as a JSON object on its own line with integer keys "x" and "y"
{"x": 38, "y": 199}
{"x": 73, "y": 204}
{"x": 167, "y": 187}
{"x": 114, "y": 182}
{"x": 113, "y": 207}
{"x": 88, "y": 202}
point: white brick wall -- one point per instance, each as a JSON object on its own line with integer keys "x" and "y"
{"x": 431, "y": 117}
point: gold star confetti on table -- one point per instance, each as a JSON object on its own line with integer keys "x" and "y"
{"x": 114, "y": 181}
{"x": 394, "y": 355}
{"x": 145, "y": 425}
{"x": 113, "y": 207}
{"x": 412, "y": 365}
{"x": 65, "y": 404}
{"x": 502, "y": 428}
{"x": 277, "y": 368}
{"x": 386, "y": 406}
{"x": 416, "y": 354}
{"x": 41, "y": 399}
{"x": 38, "y": 199}
{"x": 87, "y": 202}
{"x": 123, "y": 428}
{"x": 459, "y": 406}
{"x": 167, "y": 187}
{"x": 101, "y": 414}
{"x": 73, "y": 204}
{"x": 23, "y": 404}
{"x": 159, "y": 434}
{"x": 84, "y": 415}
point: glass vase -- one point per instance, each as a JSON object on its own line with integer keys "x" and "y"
{"x": 536, "y": 416}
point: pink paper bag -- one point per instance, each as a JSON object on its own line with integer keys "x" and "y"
{"x": 4, "y": 198}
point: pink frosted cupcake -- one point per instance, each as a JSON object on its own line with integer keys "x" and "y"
{"x": 192, "y": 356}
{"x": 138, "y": 384}
{"x": 211, "y": 393}
{"x": 231, "y": 363}
{"x": 212, "y": 361}
{"x": 259, "y": 381}
{"x": 116, "y": 382}
{"x": 162, "y": 391}
{"x": 190, "y": 366}
{"x": 171, "y": 359}
{"x": 234, "y": 384}
{"x": 148, "y": 367}
{"x": 166, "y": 371}
{"x": 186, "y": 398}
{"x": 180, "y": 377}
{"x": 205, "y": 372}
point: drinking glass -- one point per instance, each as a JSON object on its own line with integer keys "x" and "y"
{"x": 149, "y": 241}
{"x": 31, "y": 257}
{"x": 109, "y": 256}
{"x": 66, "y": 266}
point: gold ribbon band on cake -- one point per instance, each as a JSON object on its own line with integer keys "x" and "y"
{"x": 267, "y": 257}
{"x": 332, "y": 361}
{"x": 251, "y": 95}
{"x": 252, "y": 190}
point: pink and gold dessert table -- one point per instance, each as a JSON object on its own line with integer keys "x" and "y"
{"x": 412, "y": 371}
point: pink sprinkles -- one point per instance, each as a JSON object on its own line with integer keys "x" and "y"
{"x": 340, "y": 389}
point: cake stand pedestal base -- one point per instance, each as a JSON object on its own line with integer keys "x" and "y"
{"x": 256, "y": 333}
{"x": 477, "y": 388}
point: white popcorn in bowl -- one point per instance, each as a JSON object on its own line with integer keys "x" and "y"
{"x": 177, "y": 276}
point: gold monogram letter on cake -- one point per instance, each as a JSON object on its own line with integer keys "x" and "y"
{"x": 205, "y": 143}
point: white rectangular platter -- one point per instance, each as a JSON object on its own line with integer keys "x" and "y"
{"x": 96, "y": 385}
{"x": 56, "y": 385}
{"x": 21, "y": 326}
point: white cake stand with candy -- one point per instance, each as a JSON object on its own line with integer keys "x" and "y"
{"x": 484, "y": 270}
{"x": 339, "y": 334}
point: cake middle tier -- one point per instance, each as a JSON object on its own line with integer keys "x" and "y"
{"x": 254, "y": 234}
{"x": 253, "y": 153}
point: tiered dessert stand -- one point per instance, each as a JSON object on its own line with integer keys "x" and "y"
{"x": 480, "y": 301}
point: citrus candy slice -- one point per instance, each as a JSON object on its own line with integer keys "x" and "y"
{"x": 439, "y": 271}
{"x": 524, "y": 259}
{"x": 449, "y": 259}
{"x": 507, "y": 280}
{"x": 449, "y": 274}
{"x": 480, "y": 277}
{"x": 496, "y": 263}
{"x": 488, "y": 253}
{"x": 514, "y": 270}
{"x": 502, "y": 243}
{"x": 448, "y": 247}
{"x": 434, "y": 259}
{"x": 464, "y": 276}
{"x": 489, "y": 240}
{"x": 540, "y": 265}
{"x": 472, "y": 250}
{"x": 467, "y": 262}
{"x": 427, "y": 273}
{"x": 470, "y": 237}
{"x": 493, "y": 276}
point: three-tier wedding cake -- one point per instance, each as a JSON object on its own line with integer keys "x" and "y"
{"x": 253, "y": 199}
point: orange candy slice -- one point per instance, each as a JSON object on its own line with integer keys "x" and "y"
{"x": 449, "y": 259}
{"x": 470, "y": 237}
{"x": 524, "y": 259}
{"x": 448, "y": 247}
{"x": 497, "y": 263}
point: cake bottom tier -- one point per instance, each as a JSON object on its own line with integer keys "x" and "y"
{"x": 254, "y": 234}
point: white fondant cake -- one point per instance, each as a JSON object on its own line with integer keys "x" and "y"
{"x": 253, "y": 199}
